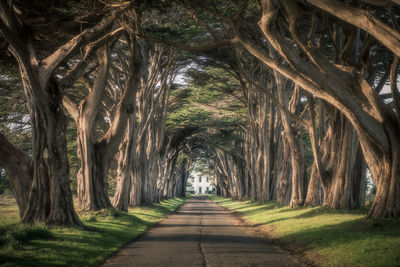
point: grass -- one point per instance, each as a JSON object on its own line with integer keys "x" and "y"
{"x": 38, "y": 245}
{"x": 325, "y": 237}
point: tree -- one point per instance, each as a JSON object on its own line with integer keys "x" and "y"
{"x": 50, "y": 199}
{"x": 342, "y": 86}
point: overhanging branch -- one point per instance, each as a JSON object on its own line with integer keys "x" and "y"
{"x": 191, "y": 48}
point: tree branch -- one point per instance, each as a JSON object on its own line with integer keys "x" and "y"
{"x": 73, "y": 75}
{"x": 381, "y": 3}
{"x": 91, "y": 104}
{"x": 188, "y": 47}
{"x": 319, "y": 85}
{"x": 87, "y": 36}
{"x": 71, "y": 107}
{"x": 363, "y": 20}
{"x": 393, "y": 86}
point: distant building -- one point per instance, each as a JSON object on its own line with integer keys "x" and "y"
{"x": 199, "y": 185}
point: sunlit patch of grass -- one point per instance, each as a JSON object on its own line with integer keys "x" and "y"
{"x": 324, "y": 236}
{"x": 37, "y": 245}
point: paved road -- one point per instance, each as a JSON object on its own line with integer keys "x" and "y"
{"x": 200, "y": 234}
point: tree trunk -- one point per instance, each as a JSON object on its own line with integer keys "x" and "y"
{"x": 360, "y": 175}
{"x": 19, "y": 170}
{"x": 126, "y": 165}
{"x": 135, "y": 195}
{"x": 278, "y": 152}
{"x": 284, "y": 175}
{"x": 50, "y": 199}
{"x": 294, "y": 142}
{"x": 314, "y": 191}
{"x": 338, "y": 193}
{"x": 377, "y": 126}
{"x": 91, "y": 179}
{"x": 385, "y": 170}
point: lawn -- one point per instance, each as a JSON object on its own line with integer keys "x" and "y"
{"x": 38, "y": 245}
{"x": 322, "y": 236}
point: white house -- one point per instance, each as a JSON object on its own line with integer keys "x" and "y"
{"x": 199, "y": 185}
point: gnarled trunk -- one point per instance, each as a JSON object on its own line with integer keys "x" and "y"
{"x": 338, "y": 189}
{"x": 341, "y": 180}
{"x": 314, "y": 191}
{"x": 284, "y": 175}
{"x": 376, "y": 125}
{"x": 126, "y": 167}
{"x": 92, "y": 176}
{"x": 385, "y": 169}
{"x": 293, "y": 139}
{"x": 50, "y": 199}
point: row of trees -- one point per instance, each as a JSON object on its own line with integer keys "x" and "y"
{"x": 320, "y": 72}
{"x": 302, "y": 85}
{"x": 115, "y": 87}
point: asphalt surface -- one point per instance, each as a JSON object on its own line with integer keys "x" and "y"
{"x": 201, "y": 233}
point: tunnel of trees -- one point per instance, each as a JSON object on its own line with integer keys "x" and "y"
{"x": 116, "y": 102}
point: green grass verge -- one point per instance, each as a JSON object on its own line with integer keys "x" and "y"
{"x": 38, "y": 245}
{"x": 323, "y": 236}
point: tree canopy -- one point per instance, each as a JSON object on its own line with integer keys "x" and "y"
{"x": 291, "y": 101}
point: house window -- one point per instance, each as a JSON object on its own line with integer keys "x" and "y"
{"x": 207, "y": 181}
{"x": 207, "y": 189}
{"x": 192, "y": 180}
{"x": 199, "y": 190}
{"x": 199, "y": 179}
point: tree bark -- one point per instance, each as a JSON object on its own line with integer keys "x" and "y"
{"x": 284, "y": 175}
{"x": 294, "y": 143}
{"x": 314, "y": 191}
{"x": 362, "y": 19}
{"x": 149, "y": 183}
{"x": 19, "y": 170}
{"x": 377, "y": 126}
{"x": 338, "y": 190}
{"x": 126, "y": 165}
{"x": 92, "y": 185}
{"x": 50, "y": 199}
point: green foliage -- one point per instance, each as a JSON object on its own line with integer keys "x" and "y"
{"x": 212, "y": 102}
{"x": 112, "y": 182}
{"x": 74, "y": 162}
{"x": 173, "y": 26}
{"x": 182, "y": 158}
{"x": 207, "y": 101}
{"x": 14, "y": 118}
{"x": 37, "y": 245}
{"x": 188, "y": 116}
{"x": 206, "y": 96}
{"x": 182, "y": 31}
{"x": 325, "y": 237}
{"x": 4, "y": 182}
